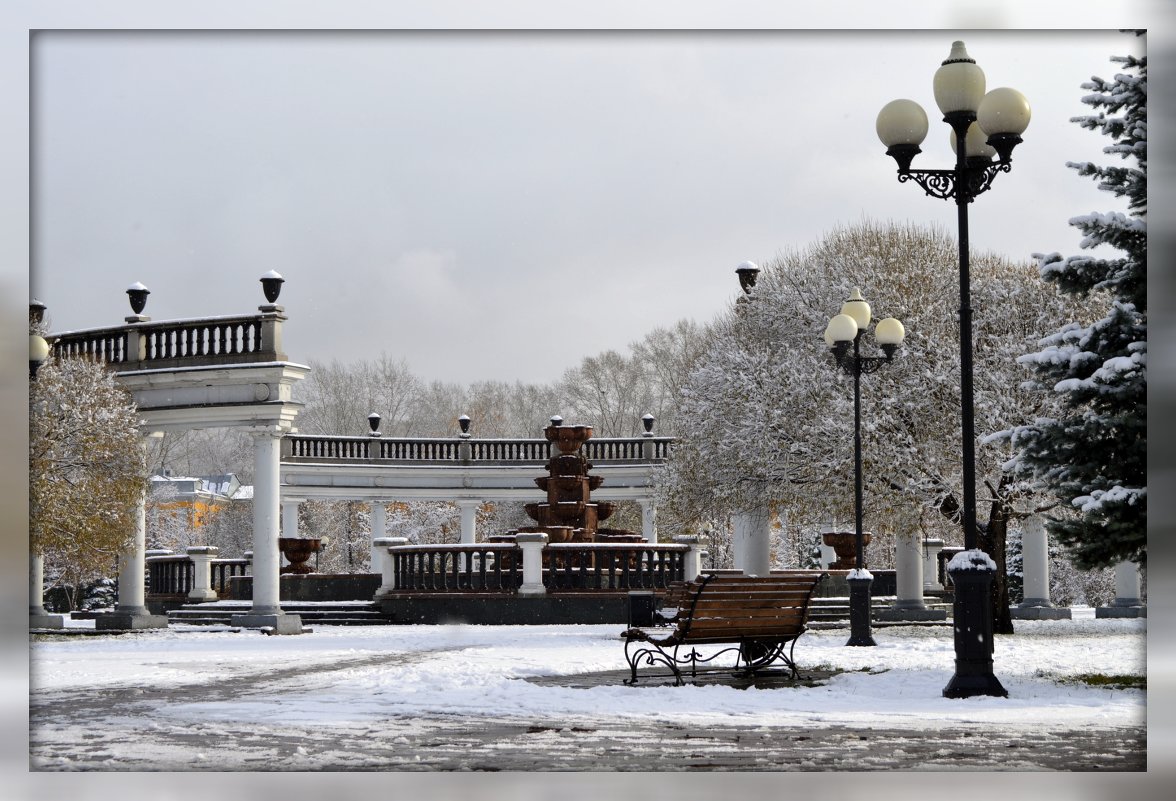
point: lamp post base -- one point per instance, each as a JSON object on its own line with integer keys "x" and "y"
{"x": 859, "y": 611}
{"x": 973, "y": 636}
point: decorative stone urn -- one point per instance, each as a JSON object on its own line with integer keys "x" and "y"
{"x": 844, "y": 543}
{"x": 298, "y": 551}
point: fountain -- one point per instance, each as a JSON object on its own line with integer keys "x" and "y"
{"x": 570, "y": 514}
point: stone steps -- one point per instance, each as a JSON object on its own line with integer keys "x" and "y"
{"x": 833, "y": 612}
{"x": 323, "y": 614}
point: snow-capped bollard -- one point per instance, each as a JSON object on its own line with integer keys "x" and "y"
{"x": 860, "y": 580}
{"x": 971, "y": 574}
{"x": 532, "y": 547}
{"x": 201, "y": 557}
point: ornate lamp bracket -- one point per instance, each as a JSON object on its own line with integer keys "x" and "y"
{"x": 862, "y": 365}
{"x": 944, "y": 184}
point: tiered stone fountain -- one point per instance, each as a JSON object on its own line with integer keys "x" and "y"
{"x": 570, "y": 514}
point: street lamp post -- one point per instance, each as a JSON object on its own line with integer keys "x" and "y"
{"x": 983, "y": 126}
{"x": 843, "y": 330}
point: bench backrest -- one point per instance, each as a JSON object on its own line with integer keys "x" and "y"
{"x": 728, "y": 608}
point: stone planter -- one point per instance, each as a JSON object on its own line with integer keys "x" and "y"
{"x": 298, "y": 551}
{"x": 844, "y": 543}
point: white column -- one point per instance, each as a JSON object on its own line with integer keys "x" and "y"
{"x": 908, "y": 564}
{"x": 131, "y": 611}
{"x": 202, "y": 556}
{"x": 132, "y": 566}
{"x": 692, "y": 564}
{"x": 379, "y": 521}
{"x": 931, "y": 548}
{"x": 532, "y": 547}
{"x": 1127, "y": 585}
{"x": 38, "y": 617}
{"x": 738, "y": 540}
{"x": 828, "y": 556}
{"x": 469, "y": 520}
{"x": 753, "y": 541}
{"x": 648, "y": 520}
{"x": 265, "y": 611}
{"x": 1035, "y": 562}
{"x": 290, "y": 518}
{"x": 266, "y": 556}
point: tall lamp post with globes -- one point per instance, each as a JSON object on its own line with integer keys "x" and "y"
{"x": 982, "y": 126}
{"x": 844, "y": 330}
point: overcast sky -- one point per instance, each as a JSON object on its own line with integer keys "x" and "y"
{"x": 500, "y": 205}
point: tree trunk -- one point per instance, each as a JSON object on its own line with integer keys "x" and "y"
{"x": 993, "y": 540}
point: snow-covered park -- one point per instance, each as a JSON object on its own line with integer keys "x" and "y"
{"x": 217, "y": 699}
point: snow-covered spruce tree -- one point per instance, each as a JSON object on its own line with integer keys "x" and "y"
{"x": 767, "y": 417}
{"x": 1092, "y": 454}
{"x": 86, "y": 470}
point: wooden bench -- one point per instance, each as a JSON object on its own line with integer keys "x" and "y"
{"x": 759, "y": 618}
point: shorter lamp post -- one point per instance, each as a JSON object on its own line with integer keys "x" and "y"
{"x": 38, "y": 353}
{"x": 843, "y": 330}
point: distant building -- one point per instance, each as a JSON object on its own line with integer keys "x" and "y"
{"x": 179, "y": 507}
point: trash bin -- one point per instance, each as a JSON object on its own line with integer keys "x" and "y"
{"x": 640, "y": 609}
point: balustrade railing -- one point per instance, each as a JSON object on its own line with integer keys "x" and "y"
{"x": 490, "y": 451}
{"x": 609, "y": 566}
{"x": 225, "y": 569}
{"x": 418, "y": 450}
{"x": 169, "y": 575}
{"x": 482, "y": 567}
{"x": 175, "y": 574}
{"x": 175, "y": 343}
{"x": 509, "y": 450}
{"x": 567, "y": 567}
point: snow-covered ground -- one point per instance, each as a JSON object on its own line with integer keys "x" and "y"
{"x": 476, "y": 672}
{"x": 396, "y": 698}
